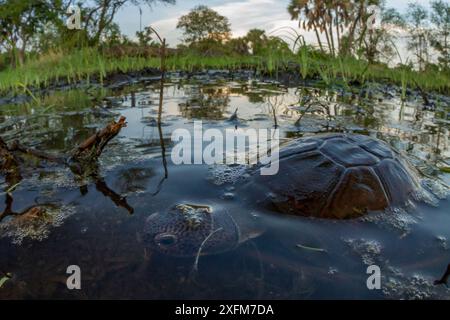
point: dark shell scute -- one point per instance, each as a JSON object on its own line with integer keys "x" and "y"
{"x": 303, "y": 184}
{"x": 376, "y": 147}
{"x": 298, "y": 147}
{"x": 358, "y": 192}
{"x": 347, "y": 153}
{"x": 396, "y": 181}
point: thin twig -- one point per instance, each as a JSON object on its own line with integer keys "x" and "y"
{"x": 195, "y": 268}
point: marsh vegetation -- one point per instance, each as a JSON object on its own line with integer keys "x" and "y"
{"x": 355, "y": 41}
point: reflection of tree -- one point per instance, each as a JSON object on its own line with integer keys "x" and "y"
{"x": 258, "y": 94}
{"x": 417, "y": 132}
{"x": 60, "y": 121}
{"x": 206, "y": 103}
{"x": 58, "y": 133}
{"x": 160, "y": 107}
{"x": 254, "y": 96}
{"x": 164, "y": 160}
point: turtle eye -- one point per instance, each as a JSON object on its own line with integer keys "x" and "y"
{"x": 165, "y": 240}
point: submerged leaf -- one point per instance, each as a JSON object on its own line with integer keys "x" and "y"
{"x": 12, "y": 188}
{"x": 311, "y": 248}
{"x": 4, "y": 279}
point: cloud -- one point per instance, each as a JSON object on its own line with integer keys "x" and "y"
{"x": 269, "y": 15}
{"x": 243, "y": 15}
{"x": 167, "y": 28}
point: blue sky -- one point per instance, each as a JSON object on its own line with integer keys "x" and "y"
{"x": 243, "y": 15}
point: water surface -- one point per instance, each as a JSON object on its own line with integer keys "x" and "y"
{"x": 97, "y": 224}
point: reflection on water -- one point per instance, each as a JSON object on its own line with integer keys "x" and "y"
{"x": 54, "y": 219}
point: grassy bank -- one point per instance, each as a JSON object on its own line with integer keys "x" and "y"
{"x": 88, "y": 63}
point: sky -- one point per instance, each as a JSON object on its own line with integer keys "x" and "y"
{"x": 244, "y": 15}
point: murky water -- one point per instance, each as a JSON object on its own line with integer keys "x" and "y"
{"x": 97, "y": 224}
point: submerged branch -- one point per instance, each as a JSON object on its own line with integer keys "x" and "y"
{"x": 9, "y": 164}
{"x": 17, "y": 146}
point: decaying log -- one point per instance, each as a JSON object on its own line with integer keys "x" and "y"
{"x": 93, "y": 147}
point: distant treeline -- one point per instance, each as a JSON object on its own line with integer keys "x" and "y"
{"x": 34, "y": 32}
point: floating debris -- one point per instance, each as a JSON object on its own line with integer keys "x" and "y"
{"x": 394, "y": 218}
{"x": 223, "y": 174}
{"x": 5, "y": 278}
{"x": 35, "y": 224}
{"x": 311, "y": 248}
{"x": 368, "y": 250}
{"x": 415, "y": 287}
{"x": 444, "y": 278}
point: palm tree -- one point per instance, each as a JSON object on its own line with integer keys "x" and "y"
{"x": 299, "y": 8}
{"x": 334, "y": 18}
{"x": 322, "y": 16}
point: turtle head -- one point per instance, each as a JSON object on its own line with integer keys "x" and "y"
{"x": 186, "y": 230}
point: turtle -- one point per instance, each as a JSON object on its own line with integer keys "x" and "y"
{"x": 331, "y": 176}
{"x": 186, "y": 230}
{"x": 336, "y": 176}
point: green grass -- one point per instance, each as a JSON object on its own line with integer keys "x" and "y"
{"x": 86, "y": 64}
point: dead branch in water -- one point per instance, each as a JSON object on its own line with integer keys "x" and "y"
{"x": 87, "y": 152}
{"x": 93, "y": 147}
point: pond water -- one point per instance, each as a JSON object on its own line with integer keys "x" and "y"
{"x": 98, "y": 224}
